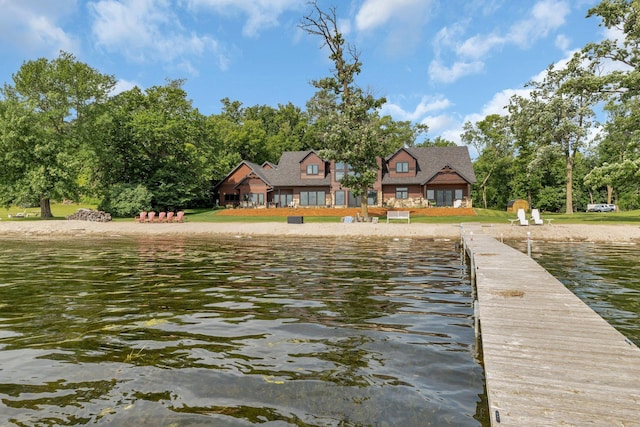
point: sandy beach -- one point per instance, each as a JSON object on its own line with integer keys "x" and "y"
{"x": 563, "y": 232}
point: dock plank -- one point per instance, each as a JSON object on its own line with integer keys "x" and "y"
{"x": 549, "y": 359}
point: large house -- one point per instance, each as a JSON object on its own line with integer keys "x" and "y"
{"x": 410, "y": 177}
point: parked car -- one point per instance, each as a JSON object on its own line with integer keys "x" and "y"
{"x": 601, "y": 207}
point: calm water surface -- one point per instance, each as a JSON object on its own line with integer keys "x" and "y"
{"x": 605, "y": 276}
{"x": 237, "y": 332}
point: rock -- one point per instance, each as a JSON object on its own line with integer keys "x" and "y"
{"x": 90, "y": 215}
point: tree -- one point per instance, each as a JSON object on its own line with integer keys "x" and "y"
{"x": 618, "y": 154}
{"x": 616, "y": 66}
{"x": 352, "y": 131}
{"x": 44, "y": 125}
{"x": 557, "y": 117}
{"x": 492, "y": 139}
{"x": 155, "y": 139}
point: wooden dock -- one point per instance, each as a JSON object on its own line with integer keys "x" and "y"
{"x": 549, "y": 359}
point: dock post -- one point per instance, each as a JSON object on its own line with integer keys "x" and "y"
{"x": 529, "y": 244}
{"x": 476, "y": 326}
{"x": 472, "y": 263}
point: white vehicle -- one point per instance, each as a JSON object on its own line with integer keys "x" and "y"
{"x": 601, "y": 207}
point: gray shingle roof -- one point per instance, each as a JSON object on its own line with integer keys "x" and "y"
{"x": 432, "y": 160}
{"x": 287, "y": 174}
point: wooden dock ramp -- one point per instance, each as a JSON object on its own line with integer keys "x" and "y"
{"x": 549, "y": 359}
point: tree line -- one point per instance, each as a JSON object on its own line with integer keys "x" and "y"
{"x": 65, "y": 135}
{"x": 545, "y": 148}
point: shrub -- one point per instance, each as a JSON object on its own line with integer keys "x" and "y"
{"x": 125, "y": 200}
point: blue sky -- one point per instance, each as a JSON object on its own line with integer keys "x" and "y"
{"x": 439, "y": 62}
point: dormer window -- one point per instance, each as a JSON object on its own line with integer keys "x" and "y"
{"x": 402, "y": 167}
{"x": 312, "y": 169}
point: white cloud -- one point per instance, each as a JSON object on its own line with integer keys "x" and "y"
{"x": 546, "y": 16}
{"x": 123, "y": 86}
{"x": 426, "y": 105}
{"x": 401, "y": 22}
{"x": 439, "y": 124}
{"x": 261, "y": 14}
{"x": 470, "y": 53}
{"x": 375, "y": 13}
{"x": 33, "y": 25}
{"x": 438, "y": 72}
{"x": 478, "y": 46}
{"x": 148, "y": 30}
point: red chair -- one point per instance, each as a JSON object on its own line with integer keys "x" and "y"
{"x": 179, "y": 217}
{"x": 142, "y": 217}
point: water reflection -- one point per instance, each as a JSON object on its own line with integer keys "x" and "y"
{"x": 237, "y": 332}
{"x": 604, "y": 275}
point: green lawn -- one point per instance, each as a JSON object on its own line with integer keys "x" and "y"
{"x": 60, "y": 211}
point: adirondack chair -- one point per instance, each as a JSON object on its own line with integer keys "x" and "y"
{"x": 162, "y": 217}
{"x": 535, "y": 217}
{"x": 179, "y": 217}
{"x": 169, "y": 217}
{"x": 522, "y": 218}
{"x": 141, "y": 218}
{"x": 151, "y": 216}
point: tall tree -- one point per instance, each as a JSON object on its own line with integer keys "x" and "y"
{"x": 353, "y": 133}
{"x": 618, "y": 154}
{"x": 557, "y": 117}
{"x": 154, "y": 139}
{"x": 616, "y": 65}
{"x": 51, "y": 95}
{"x": 492, "y": 139}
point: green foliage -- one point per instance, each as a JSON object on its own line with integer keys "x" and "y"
{"x": 494, "y": 142}
{"x": 350, "y": 128}
{"x": 155, "y": 139}
{"x": 556, "y": 117}
{"x": 45, "y": 129}
{"x": 126, "y": 200}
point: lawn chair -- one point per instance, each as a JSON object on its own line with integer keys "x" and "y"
{"x": 142, "y": 217}
{"x": 169, "y": 217}
{"x": 162, "y": 217}
{"x": 522, "y": 217}
{"x": 535, "y": 217}
{"x": 151, "y": 216}
{"x": 179, "y": 217}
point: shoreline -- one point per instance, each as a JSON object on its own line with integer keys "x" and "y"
{"x": 558, "y": 233}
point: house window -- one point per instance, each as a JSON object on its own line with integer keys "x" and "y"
{"x": 283, "y": 199}
{"x": 312, "y": 169}
{"x": 340, "y": 198}
{"x": 444, "y": 197}
{"x": 312, "y": 198}
{"x": 431, "y": 195}
{"x": 231, "y": 198}
{"x": 402, "y": 167}
{"x": 342, "y": 169}
{"x": 372, "y": 197}
{"x": 257, "y": 198}
{"x": 458, "y": 195}
{"x": 402, "y": 193}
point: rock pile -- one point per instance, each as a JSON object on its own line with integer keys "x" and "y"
{"x": 90, "y": 215}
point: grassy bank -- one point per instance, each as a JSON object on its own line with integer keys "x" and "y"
{"x": 60, "y": 211}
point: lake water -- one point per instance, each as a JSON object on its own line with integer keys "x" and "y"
{"x": 237, "y": 332}
{"x": 606, "y": 276}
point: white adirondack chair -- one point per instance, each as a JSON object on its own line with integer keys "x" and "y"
{"x": 535, "y": 217}
{"x": 522, "y": 217}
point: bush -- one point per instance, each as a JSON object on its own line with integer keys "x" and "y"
{"x": 124, "y": 200}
